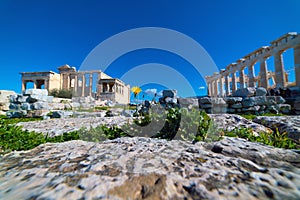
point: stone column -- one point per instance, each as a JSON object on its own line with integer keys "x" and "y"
{"x": 234, "y": 87}
{"x": 46, "y": 86}
{"x": 226, "y": 85}
{"x": 221, "y": 87}
{"x": 251, "y": 75}
{"x": 279, "y": 70}
{"x": 83, "y": 85}
{"x": 76, "y": 84}
{"x": 34, "y": 84}
{"x": 297, "y": 64}
{"x": 91, "y": 84}
{"x": 23, "y": 85}
{"x": 212, "y": 88}
{"x": 242, "y": 78}
{"x": 216, "y": 92}
{"x": 208, "y": 89}
{"x": 263, "y": 74}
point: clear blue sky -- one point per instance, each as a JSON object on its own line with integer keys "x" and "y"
{"x": 42, "y": 35}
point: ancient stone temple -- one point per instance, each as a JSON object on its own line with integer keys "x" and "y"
{"x": 227, "y": 81}
{"x": 93, "y": 83}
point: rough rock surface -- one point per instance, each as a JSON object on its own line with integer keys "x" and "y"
{"x": 232, "y": 121}
{"x": 54, "y": 127}
{"x": 289, "y": 124}
{"x": 144, "y": 168}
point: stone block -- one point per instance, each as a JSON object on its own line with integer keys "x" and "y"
{"x": 205, "y": 100}
{"x": 169, "y": 93}
{"x": 16, "y": 113}
{"x": 206, "y": 105}
{"x": 14, "y": 106}
{"x": 237, "y": 105}
{"x": 248, "y": 102}
{"x": 261, "y": 91}
{"x": 61, "y": 114}
{"x": 35, "y": 98}
{"x": 186, "y": 102}
{"x": 42, "y": 92}
{"x": 218, "y": 101}
{"x": 244, "y": 92}
{"x": 26, "y": 106}
{"x": 5, "y": 95}
{"x": 284, "y": 108}
{"x": 40, "y": 106}
{"x": 233, "y": 100}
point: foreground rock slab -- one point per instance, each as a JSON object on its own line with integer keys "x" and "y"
{"x": 144, "y": 168}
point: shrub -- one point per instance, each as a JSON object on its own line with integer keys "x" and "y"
{"x": 275, "y": 138}
{"x": 62, "y": 93}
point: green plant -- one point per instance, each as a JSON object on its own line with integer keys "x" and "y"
{"x": 275, "y": 138}
{"x": 101, "y": 108}
{"x": 62, "y": 93}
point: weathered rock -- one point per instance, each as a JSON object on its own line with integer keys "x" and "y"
{"x": 231, "y": 121}
{"x": 5, "y": 95}
{"x": 34, "y": 98}
{"x": 205, "y": 100}
{"x": 237, "y": 105}
{"x": 189, "y": 102}
{"x": 260, "y": 91}
{"x": 16, "y": 113}
{"x": 289, "y": 124}
{"x": 249, "y": 102}
{"x": 244, "y": 92}
{"x": 169, "y": 93}
{"x": 219, "y": 101}
{"x": 56, "y": 127}
{"x": 233, "y": 100}
{"x": 144, "y": 168}
{"x": 61, "y": 114}
{"x": 40, "y": 106}
{"x": 284, "y": 108}
{"x": 41, "y": 92}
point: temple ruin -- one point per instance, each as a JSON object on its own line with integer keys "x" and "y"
{"x": 93, "y": 83}
{"x": 226, "y": 81}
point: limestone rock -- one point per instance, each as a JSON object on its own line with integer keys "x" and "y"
{"x": 205, "y": 100}
{"x": 41, "y": 92}
{"x": 231, "y": 121}
{"x": 289, "y": 124}
{"x": 189, "y": 102}
{"x": 169, "y": 93}
{"x": 144, "y": 168}
{"x": 4, "y": 99}
{"x": 233, "y": 100}
{"x": 284, "y": 108}
{"x": 260, "y": 91}
{"x": 244, "y": 92}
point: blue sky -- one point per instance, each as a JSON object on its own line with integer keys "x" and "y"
{"x": 43, "y": 35}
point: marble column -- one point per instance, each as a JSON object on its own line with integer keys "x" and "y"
{"x": 227, "y": 88}
{"x": 83, "y": 85}
{"x": 263, "y": 74}
{"x": 34, "y": 84}
{"x": 208, "y": 89}
{"x": 216, "y": 92}
{"x": 251, "y": 75}
{"x": 23, "y": 85}
{"x": 212, "y": 86}
{"x": 234, "y": 87}
{"x": 221, "y": 87}
{"x": 297, "y": 64}
{"x": 91, "y": 84}
{"x": 242, "y": 78}
{"x": 279, "y": 70}
{"x": 76, "y": 84}
{"x": 46, "y": 86}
